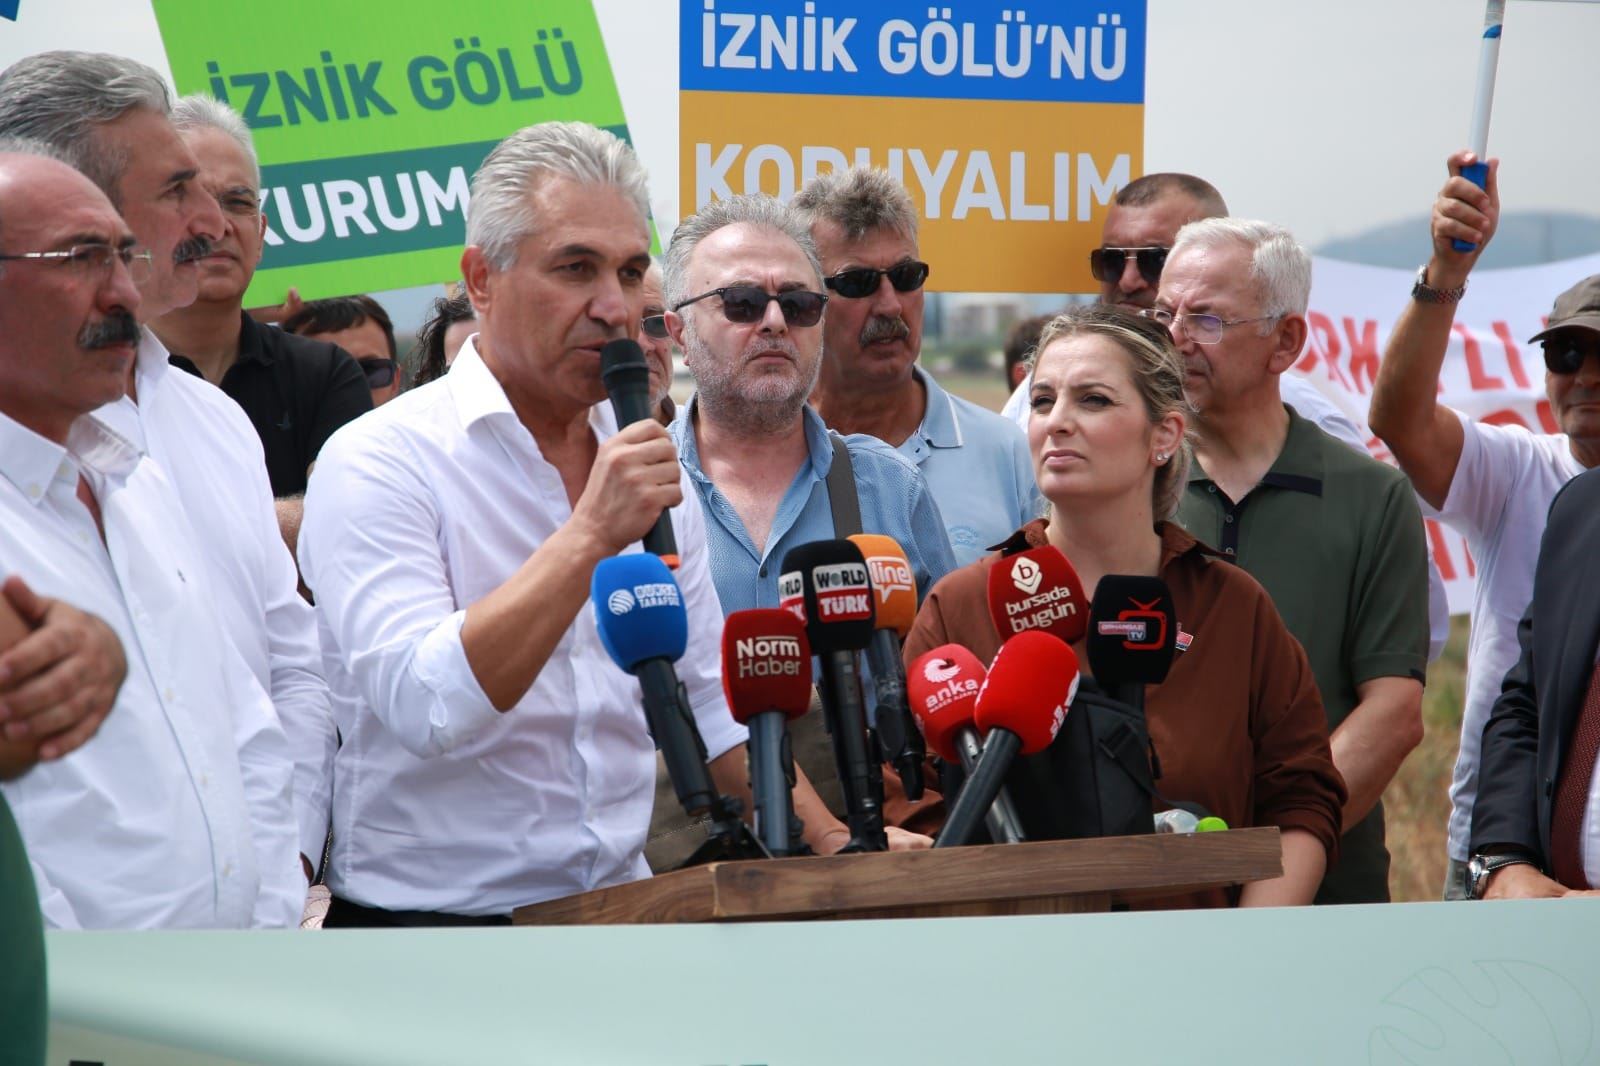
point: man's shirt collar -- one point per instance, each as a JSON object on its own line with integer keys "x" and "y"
{"x": 941, "y": 423}
{"x": 1298, "y": 467}
{"x": 31, "y": 462}
{"x": 819, "y": 445}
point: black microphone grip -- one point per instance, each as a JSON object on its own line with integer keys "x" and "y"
{"x": 897, "y": 731}
{"x": 1001, "y": 819}
{"x": 772, "y": 782}
{"x": 627, "y": 380}
{"x": 977, "y": 796}
{"x": 859, "y": 774}
{"x": 666, "y": 710}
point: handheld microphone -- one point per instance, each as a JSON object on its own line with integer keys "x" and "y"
{"x": 626, "y": 376}
{"x": 896, "y": 608}
{"x": 835, "y": 592}
{"x": 1020, "y": 708}
{"x": 766, "y": 673}
{"x": 1037, "y": 590}
{"x": 943, "y": 684}
{"x": 638, "y": 610}
{"x": 1133, "y": 635}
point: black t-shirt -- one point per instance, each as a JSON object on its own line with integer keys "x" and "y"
{"x": 296, "y": 392}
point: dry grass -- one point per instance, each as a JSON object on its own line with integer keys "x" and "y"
{"x": 1417, "y": 802}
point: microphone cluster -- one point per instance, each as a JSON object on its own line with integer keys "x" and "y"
{"x": 840, "y": 598}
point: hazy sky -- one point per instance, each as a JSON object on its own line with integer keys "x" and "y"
{"x": 1327, "y": 117}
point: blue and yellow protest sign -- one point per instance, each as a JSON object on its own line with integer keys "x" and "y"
{"x": 370, "y": 119}
{"x": 1012, "y": 125}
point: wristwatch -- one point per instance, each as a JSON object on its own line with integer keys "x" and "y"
{"x": 1422, "y": 292}
{"x": 1480, "y": 866}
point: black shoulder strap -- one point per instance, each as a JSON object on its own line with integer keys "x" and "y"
{"x": 842, "y": 495}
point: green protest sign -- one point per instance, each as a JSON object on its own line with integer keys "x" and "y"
{"x": 371, "y": 116}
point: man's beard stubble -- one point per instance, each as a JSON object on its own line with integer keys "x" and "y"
{"x": 760, "y": 411}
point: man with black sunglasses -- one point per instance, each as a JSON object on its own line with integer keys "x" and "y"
{"x": 358, "y": 325}
{"x": 1492, "y": 483}
{"x": 975, "y": 462}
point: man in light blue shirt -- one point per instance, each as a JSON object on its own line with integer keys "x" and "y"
{"x": 976, "y": 463}
{"x": 744, "y": 288}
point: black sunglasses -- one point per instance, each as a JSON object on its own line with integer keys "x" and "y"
{"x": 1564, "y": 355}
{"x": 655, "y": 326}
{"x": 743, "y": 304}
{"x": 857, "y": 282}
{"x": 379, "y": 372}
{"x": 1107, "y": 264}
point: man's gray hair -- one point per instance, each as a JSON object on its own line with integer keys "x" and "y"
{"x": 502, "y": 215}
{"x": 63, "y": 98}
{"x": 751, "y": 209}
{"x": 197, "y": 111}
{"x": 1280, "y": 266}
{"x": 858, "y": 201}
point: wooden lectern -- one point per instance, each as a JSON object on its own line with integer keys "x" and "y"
{"x": 1047, "y": 877}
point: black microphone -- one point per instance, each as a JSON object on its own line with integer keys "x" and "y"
{"x": 1133, "y": 635}
{"x": 828, "y": 581}
{"x": 626, "y": 376}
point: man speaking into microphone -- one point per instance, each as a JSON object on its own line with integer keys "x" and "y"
{"x": 493, "y": 755}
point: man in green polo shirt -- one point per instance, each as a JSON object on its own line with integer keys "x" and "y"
{"x": 1335, "y": 537}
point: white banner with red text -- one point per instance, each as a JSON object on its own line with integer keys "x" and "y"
{"x": 1490, "y": 372}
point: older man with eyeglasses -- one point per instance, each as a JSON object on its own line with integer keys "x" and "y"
{"x": 1334, "y": 536}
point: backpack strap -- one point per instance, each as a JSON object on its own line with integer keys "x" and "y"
{"x": 842, "y": 495}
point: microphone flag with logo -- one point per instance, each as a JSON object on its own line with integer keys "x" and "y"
{"x": 626, "y": 376}
{"x": 1133, "y": 635}
{"x": 830, "y": 580}
{"x": 1020, "y": 708}
{"x": 766, "y": 673}
{"x": 895, "y": 608}
{"x": 638, "y": 610}
{"x": 1037, "y": 590}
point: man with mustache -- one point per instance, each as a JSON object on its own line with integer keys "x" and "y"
{"x": 746, "y": 297}
{"x": 108, "y": 115}
{"x": 177, "y": 814}
{"x": 296, "y": 391}
{"x": 1492, "y": 483}
{"x": 975, "y": 463}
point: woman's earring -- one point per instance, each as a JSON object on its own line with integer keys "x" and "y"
{"x": 1161, "y": 457}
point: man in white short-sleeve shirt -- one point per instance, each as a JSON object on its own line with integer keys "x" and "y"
{"x": 1493, "y": 484}
{"x": 493, "y": 754}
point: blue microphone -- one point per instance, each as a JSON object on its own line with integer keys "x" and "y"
{"x": 638, "y": 609}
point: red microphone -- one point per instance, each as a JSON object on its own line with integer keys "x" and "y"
{"x": 943, "y": 685}
{"x": 1037, "y": 590}
{"x": 1020, "y": 708}
{"x": 766, "y": 675}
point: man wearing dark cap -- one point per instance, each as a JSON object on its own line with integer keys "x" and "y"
{"x": 1494, "y": 484}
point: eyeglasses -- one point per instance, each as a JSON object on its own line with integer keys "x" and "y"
{"x": 857, "y": 282}
{"x": 1564, "y": 355}
{"x": 743, "y": 304}
{"x": 1202, "y": 329}
{"x": 654, "y": 326}
{"x": 93, "y": 260}
{"x": 380, "y": 372}
{"x": 1107, "y": 264}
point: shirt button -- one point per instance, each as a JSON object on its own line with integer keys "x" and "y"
{"x": 168, "y": 695}
{"x": 227, "y": 869}
{"x": 1228, "y": 518}
{"x": 1228, "y": 551}
{"x": 762, "y": 572}
{"x": 1211, "y": 488}
{"x": 34, "y": 490}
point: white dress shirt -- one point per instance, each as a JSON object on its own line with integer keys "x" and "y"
{"x": 205, "y": 444}
{"x": 167, "y": 816}
{"x": 441, "y": 803}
